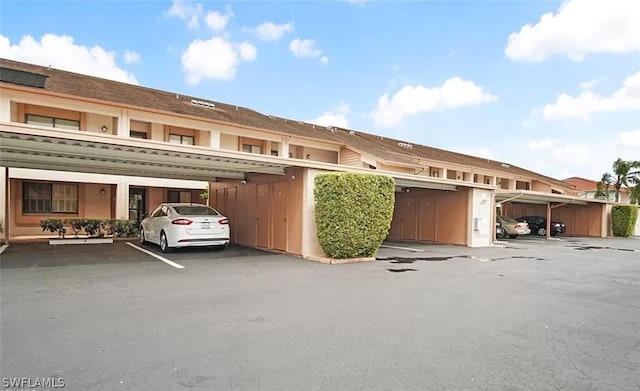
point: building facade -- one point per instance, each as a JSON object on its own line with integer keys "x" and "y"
{"x": 72, "y": 145}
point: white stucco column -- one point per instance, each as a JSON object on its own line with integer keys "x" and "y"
{"x": 4, "y": 197}
{"x": 310, "y": 244}
{"x": 122, "y": 199}
{"x": 283, "y": 148}
{"x": 124, "y": 124}
{"x": 5, "y": 109}
{"x": 480, "y": 227}
{"x": 214, "y": 140}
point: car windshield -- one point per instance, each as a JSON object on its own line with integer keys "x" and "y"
{"x": 508, "y": 219}
{"x": 195, "y": 210}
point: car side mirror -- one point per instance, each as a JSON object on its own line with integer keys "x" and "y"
{"x": 145, "y": 215}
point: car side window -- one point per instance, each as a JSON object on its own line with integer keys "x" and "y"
{"x": 539, "y": 220}
{"x": 157, "y": 212}
{"x": 165, "y": 211}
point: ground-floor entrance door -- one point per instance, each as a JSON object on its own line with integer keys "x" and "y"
{"x": 137, "y": 205}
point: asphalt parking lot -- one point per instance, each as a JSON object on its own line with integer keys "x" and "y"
{"x": 531, "y": 315}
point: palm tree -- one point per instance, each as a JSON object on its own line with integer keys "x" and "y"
{"x": 625, "y": 173}
{"x": 634, "y": 196}
{"x": 603, "y": 186}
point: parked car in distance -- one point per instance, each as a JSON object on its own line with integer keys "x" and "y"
{"x": 173, "y": 225}
{"x": 538, "y": 225}
{"x": 512, "y": 227}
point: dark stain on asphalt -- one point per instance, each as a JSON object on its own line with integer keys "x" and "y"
{"x": 583, "y": 248}
{"x": 402, "y": 270}
{"x": 396, "y": 260}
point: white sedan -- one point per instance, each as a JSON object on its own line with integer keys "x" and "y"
{"x": 184, "y": 225}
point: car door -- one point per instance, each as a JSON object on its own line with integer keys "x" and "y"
{"x": 154, "y": 221}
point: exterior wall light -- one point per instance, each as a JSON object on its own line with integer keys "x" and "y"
{"x": 102, "y": 191}
{"x": 104, "y": 128}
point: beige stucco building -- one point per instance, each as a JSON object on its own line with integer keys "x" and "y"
{"x": 74, "y": 145}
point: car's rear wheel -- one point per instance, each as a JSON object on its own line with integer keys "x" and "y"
{"x": 542, "y": 231}
{"x": 164, "y": 244}
{"x": 143, "y": 240}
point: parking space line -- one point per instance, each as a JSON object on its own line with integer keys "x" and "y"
{"x": 163, "y": 259}
{"x": 403, "y": 248}
{"x": 3, "y": 247}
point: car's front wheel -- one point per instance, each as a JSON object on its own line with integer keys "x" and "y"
{"x": 164, "y": 244}
{"x": 143, "y": 240}
{"x": 542, "y": 231}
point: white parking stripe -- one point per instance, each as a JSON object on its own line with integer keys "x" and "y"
{"x": 3, "y": 247}
{"x": 404, "y": 248}
{"x": 163, "y": 259}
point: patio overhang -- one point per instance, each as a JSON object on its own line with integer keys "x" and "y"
{"x": 58, "y": 150}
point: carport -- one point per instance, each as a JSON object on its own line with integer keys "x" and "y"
{"x": 582, "y": 217}
{"x": 30, "y": 148}
{"x": 445, "y": 213}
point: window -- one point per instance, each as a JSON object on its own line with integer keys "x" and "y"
{"x": 40, "y": 197}
{"x": 251, "y": 148}
{"x": 180, "y": 139}
{"x": 60, "y": 123}
{"x": 179, "y": 196}
{"x": 138, "y": 134}
{"x": 274, "y": 153}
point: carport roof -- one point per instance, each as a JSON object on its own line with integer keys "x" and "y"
{"x": 58, "y": 150}
{"x": 532, "y": 197}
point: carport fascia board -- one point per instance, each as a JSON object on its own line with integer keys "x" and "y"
{"x": 541, "y": 198}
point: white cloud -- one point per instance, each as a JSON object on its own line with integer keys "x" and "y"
{"x": 589, "y": 157}
{"x": 269, "y": 31}
{"x": 131, "y": 57}
{"x": 627, "y": 98}
{"x": 412, "y": 100}
{"x": 630, "y": 139}
{"x": 541, "y": 144}
{"x": 215, "y": 58}
{"x": 62, "y": 53}
{"x": 217, "y": 21}
{"x": 334, "y": 117}
{"x": 190, "y": 13}
{"x": 248, "y": 52}
{"x": 588, "y": 85}
{"x": 578, "y": 28}
{"x": 307, "y": 48}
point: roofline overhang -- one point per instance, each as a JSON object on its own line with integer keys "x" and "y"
{"x": 156, "y": 111}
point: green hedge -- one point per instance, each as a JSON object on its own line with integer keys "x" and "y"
{"x": 623, "y": 220}
{"x": 353, "y": 213}
{"x": 92, "y": 227}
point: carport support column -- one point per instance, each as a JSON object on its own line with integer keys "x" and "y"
{"x": 548, "y": 228}
{"x": 6, "y": 204}
{"x": 122, "y": 200}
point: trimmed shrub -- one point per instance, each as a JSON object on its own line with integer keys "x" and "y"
{"x": 54, "y": 225}
{"x": 623, "y": 220}
{"x": 92, "y": 227}
{"x": 353, "y": 213}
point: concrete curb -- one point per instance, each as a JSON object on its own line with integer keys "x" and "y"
{"x": 334, "y": 261}
{"x": 57, "y": 242}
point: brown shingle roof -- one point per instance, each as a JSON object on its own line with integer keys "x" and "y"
{"x": 384, "y": 148}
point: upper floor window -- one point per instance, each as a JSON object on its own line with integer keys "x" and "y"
{"x": 137, "y": 134}
{"x": 181, "y": 139}
{"x": 53, "y": 122}
{"x": 38, "y": 197}
{"x": 251, "y": 148}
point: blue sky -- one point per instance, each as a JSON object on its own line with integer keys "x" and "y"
{"x": 550, "y": 86}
